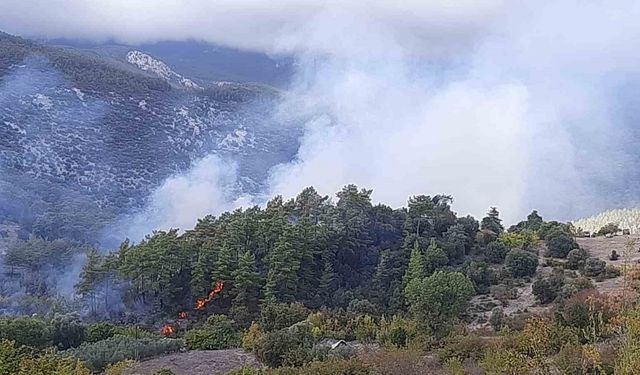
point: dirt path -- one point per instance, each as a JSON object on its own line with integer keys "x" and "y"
{"x": 197, "y": 362}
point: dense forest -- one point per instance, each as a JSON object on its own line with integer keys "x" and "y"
{"x": 282, "y": 279}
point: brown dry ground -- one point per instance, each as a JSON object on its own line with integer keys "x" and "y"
{"x": 599, "y": 247}
{"x": 197, "y": 362}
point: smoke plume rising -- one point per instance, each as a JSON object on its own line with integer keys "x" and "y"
{"x": 517, "y": 104}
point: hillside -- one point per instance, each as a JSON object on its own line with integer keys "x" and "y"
{"x": 99, "y": 133}
{"x": 625, "y": 218}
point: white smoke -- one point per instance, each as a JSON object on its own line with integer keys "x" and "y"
{"x": 208, "y": 187}
{"x": 514, "y": 104}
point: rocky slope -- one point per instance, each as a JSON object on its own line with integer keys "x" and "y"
{"x": 77, "y": 129}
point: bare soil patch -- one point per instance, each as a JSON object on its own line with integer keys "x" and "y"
{"x": 197, "y": 362}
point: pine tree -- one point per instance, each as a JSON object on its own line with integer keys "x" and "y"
{"x": 224, "y": 265}
{"x": 283, "y": 264}
{"x": 492, "y": 221}
{"x": 416, "y": 268}
{"x": 246, "y": 281}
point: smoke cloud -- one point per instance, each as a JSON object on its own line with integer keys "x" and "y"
{"x": 517, "y": 104}
{"x": 208, "y": 187}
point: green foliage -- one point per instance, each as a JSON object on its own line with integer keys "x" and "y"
{"x": 101, "y": 331}
{"x": 15, "y": 360}
{"x": 610, "y": 228}
{"x": 289, "y": 346}
{"x": 351, "y": 366}
{"x": 481, "y": 275}
{"x": 282, "y": 315}
{"x": 416, "y": 268}
{"x": 560, "y": 243}
{"x": 434, "y": 259}
{"x": 548, "y": 288}
{"x": 217, "y": 333}
{"x": 27, "y": 331}
{"x": 397, "y": 332}
{"x": 492, "y": 222}
{"x": 594, "y": 267}
{"x": 119, "y": 348}
{"x": 437, "y": 299}
{"x": 496, "y": 251}
{"x": 253, "y": 335}
{"x": 521, "y": 263}
{"x": 576, "y": 259}
{"x": 67, "y": 331}
{"x": 523, "y": 240}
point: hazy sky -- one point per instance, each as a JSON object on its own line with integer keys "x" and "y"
{"x": 510, "y": 103}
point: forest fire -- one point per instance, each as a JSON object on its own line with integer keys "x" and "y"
{"x": 182, "y": 315}
{"x": 167, "y": 329}
{"x": 202, "y": 302}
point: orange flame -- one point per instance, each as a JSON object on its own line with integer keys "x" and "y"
{"x": 182, "y": 315}
{"x": 167, "y": 330}
{"x": 202, "y": 302}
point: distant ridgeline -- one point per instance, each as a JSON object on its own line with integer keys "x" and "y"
{"x": 84, "y": 138}
{"x": 625, "y": 219}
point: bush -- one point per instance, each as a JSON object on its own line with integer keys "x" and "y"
{"x": 281, "y": 315}
{"x": 611, "y": 271}
{"x": 497, "y": 318}
{"x": 397, "y": 332}
{"x": 496, "y": 251}
{"x": 290, "y": 347}
{"x": 462, "y": 347}
{"x": 613, "y": 256}
{"x": 251, "y": 337}
{"x": 594, "y": 267}
{"x": 119, "y": 368}
{"x": 560, "y": 243}
{"x": 351, "y": 366}
{"x": 218, "y": 333}
{"x": 576, "y": 259}
{"x": 119, "y": 348}
{"x": 26, "y": 331}
{"x": 100, "y": 331}
{"x": 521, "y": 263}
{"x": 68, "y": 332}
{"x": 21, "y": 360}
{"x": 547, "y": 289}
{"x": 611, "y": 228}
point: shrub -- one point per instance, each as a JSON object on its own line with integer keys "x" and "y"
{"x": 26, "y": 331}
{"x": 521, "y": 263}
{"x": 351, "y": 366}
{"x": 68, "y": 332}
{"x": 366, "y": 329}
{"x": 462, "y": 347}
{"x": 397, "y": 332}
{"x": 119, "y": 348}
{"x": 119, "y": 368}
{"x": 218, "y": 333}
{"x": 21, "y": 360}
{"x": 251, "y": 337}
{"x": 439, "y": 298}
{"x": 614, "y": 255}
{"x": 100, "y": 331}
{"x": 496, "y": 251}
{"x": 497, "y": 318}
{"x": 560, "y": 243}
{"x": 285, "y": 346}
{"x": 611, "y": 271}
{"x": 281, "y": 315}
{"x": 523, "y": 240}
{"x": 611, "y": 228}
{"x": 594, "y": 267}
{"x": 547, "y": 289}
{"x": 362, "y": 306}
{"x": 576, "y": 259}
